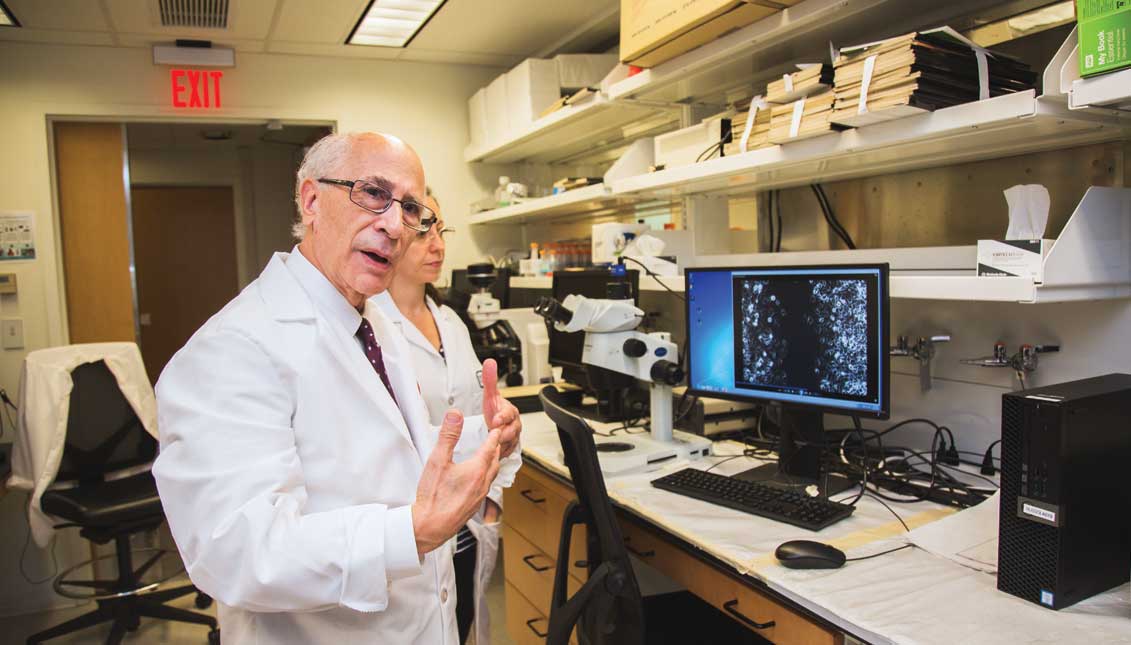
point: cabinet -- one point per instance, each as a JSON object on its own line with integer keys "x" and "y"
{"x": 531, "y": 525}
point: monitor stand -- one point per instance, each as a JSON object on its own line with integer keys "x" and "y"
{"x": 800, "y": 449}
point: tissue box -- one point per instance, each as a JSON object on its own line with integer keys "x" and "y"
{"x": 477, "y": 117}
{"x": 1024, "y": 258}
{"x": 532, "y": 86}
{"x": 576, "y": 71}
{"x": 1104, "y": 35}
{"x": 498, "y": 119}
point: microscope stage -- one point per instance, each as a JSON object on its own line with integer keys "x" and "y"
{"x": 632, "y": 453}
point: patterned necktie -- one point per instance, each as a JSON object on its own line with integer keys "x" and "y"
{"x": 373, "y": 353}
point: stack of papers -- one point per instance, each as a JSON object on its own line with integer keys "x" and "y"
{"x": 759, "y": 132}
{"x": 811, "y": 79}
{"x": 810, "y": 116}
{"x": 917, "y": 72}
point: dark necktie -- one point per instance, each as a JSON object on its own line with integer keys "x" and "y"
{"x": 373, "y": 353}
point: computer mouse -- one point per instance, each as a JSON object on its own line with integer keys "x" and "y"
{"x": 806, "y": 554}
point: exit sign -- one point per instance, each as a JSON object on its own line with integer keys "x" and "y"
{"x": 195, "y": 88}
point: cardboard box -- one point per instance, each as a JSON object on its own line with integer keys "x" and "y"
{"x": 655, "y": 31}
{"x": 576, "y": 71}
{"x": 477, "y": 117}
{"x": 1024, "y": 258}
{"x": 1104, "y": 34}
{"x": 498, "y": 123}
{"x": 532, "y": 87}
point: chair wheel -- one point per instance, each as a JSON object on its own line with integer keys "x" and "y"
{"x": 214, "y": 637}
{"x": 203, "y": 601}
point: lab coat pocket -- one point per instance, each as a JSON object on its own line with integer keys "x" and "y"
{"x": 487, "y": 536}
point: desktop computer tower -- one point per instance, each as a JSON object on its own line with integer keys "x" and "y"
{"x": 1065, "y": 492}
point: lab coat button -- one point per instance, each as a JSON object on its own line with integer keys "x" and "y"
{"x": 444, "y": 595}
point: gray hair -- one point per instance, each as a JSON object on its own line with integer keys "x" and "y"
{"x": 321, "y": 160}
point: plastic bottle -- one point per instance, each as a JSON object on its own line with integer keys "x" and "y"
{"x": 502, "y": 195}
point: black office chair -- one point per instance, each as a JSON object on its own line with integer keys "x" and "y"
{"x": 609, "y": 608}
{"x": 104, "y": 435}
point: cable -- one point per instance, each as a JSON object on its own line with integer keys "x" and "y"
{"x": 711, "y": 151}
{"x": 724, "y": 460}
{"x": 653, "y": 275}
{"x": 890, "y": 510}
{"x": 23, "y": 556}
{"x": 830, "y": 216}
{"x": 832, "y": 219}
{"x": 876, "y": 555}
{"x": 777, "y": 211}
{"x": 770, "y": 217}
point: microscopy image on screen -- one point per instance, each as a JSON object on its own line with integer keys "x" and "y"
{"x": 802, "y": 335}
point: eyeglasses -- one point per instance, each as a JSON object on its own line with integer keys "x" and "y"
{"x": 441, "y": 232}
{"x": 377, "y": 200}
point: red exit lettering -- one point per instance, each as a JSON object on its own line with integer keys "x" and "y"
{"x": 195, "y": 88}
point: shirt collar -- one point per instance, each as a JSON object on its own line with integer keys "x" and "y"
{"x": 327, "y": 299}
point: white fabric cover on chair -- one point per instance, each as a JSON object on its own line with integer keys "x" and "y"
{"x": 45, "y": 399}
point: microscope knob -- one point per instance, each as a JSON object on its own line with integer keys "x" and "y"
{"x": 635, "y": 348}
{"x": 666, "y": 372}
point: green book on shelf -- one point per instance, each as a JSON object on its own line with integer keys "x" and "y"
{"x": 1104, "y": 33}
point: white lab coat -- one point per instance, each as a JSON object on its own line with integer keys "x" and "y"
{"x": 456, "y": 380}
{"x": 287, "y": 478}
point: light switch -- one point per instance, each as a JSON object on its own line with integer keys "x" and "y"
{"x": 13, "y": 332}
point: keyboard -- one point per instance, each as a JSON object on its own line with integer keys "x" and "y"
{"x": 796, "y": 508}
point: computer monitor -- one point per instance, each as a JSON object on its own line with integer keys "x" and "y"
{"x": 566, "y": 348}
{"x": 807, "y": 340}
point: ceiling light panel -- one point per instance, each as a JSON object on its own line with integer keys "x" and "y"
{"x": 392, "y": 23}
{"x": 6, "y": 17}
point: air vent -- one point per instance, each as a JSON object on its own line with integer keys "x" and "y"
{"x": 198, "y": 14}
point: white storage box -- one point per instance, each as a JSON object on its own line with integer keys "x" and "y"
{"x": 1024, "y": 258}
{"x": 477, "y": 117}
{"x": 498, "y": 122}
{"x": 532, "y": 87}
{"x": 576, "y": 71}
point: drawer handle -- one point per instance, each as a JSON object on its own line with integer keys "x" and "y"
{"x": 530, "y": 564}
{"x": 730, "y": 609}
{"x": 640, "y": 554}
{"x": 530, "y": 624}
{"x": 527, "y": 494}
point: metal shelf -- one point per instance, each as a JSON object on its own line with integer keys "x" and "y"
{"x": 577, "y": 132}
{"x": 999, "y": 127}
{"x": 589, "y": 201}
{"x": 767, "y": 48}
{"x": 1110, "y": 90}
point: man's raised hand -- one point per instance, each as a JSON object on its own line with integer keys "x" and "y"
{"x": 448, "y": 493}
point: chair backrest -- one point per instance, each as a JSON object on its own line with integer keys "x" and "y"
{"x": 103, "y": 432}
{"x": 622, "y": 622}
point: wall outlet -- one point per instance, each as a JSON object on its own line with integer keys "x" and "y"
{"x": 12, "y": 331}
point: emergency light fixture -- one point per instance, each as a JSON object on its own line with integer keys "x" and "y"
{"x": 392, "y": 23}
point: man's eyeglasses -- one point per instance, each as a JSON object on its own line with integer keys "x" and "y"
{"x": 377, "y": 200}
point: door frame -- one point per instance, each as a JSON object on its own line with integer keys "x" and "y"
{"x": 123, "y": 120}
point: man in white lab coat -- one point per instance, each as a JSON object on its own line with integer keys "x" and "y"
{"x": 302, "y": 482}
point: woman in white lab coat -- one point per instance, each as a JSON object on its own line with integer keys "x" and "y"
{"x": 450, "y": 376}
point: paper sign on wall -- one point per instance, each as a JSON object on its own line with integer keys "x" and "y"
{"x": 17, "y": 235}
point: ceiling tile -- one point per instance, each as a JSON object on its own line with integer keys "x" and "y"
{"x": 57, "y": 37}
{"x": 515, "y": 27}
{"x": 317, "y": 21}
{"x": 461, "y": 58}
{"x": 59, "y": 14}
{"x": 343, "y": 51}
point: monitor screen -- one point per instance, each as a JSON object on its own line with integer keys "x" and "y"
{"x": 566, "y": 348}
{"x": 815, "y": 337}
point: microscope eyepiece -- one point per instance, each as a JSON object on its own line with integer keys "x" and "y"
{"x": 552, "y": 310}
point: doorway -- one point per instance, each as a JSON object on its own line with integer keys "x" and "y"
{"x": 184, "y": 216}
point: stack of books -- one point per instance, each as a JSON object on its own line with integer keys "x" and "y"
{"x": 918, "y": 72}
{"x": 810, "y": 79}
{"x": 569, "y": 183}
{"x": 809, "y": 116}
{"x": 759, "y": 132}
